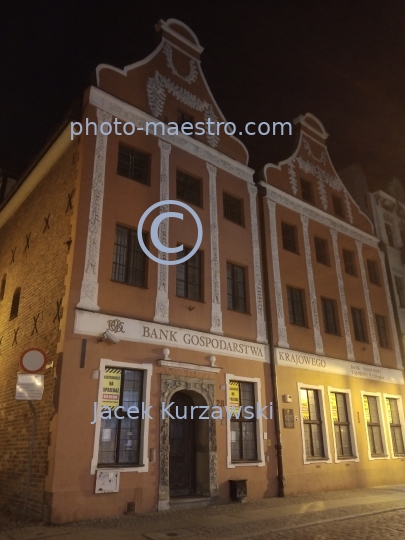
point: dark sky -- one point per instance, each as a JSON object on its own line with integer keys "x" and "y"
{"x": 265, "y": 60}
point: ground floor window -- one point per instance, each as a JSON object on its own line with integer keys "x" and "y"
{"x": 243, "y": 421}
{"x": 341, "y": 424}
{"x": 312, "y": 421}
{"x": 394, "y": 420}
{"x": 374, "y": 428}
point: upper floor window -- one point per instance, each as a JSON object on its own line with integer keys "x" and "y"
{"x": 3, "y": 286}
{"x": 183, "y": 118}
{"x": 307, "y": 191}
{"x": 337, "y": 206}
{"x": 15, "y": 304}
{"x": 399, "y": 283}
{"x": 322, "y": 251}
{"x": 233, "y": 209}
{"x": 359, "y": 326}
{"x": 188, "y": 188}
{"x": 330, "y": 318}
{"x": 313, "y": 426}
{"x": 382, "y": 331}
{"x": 373, "y": 273}
{"x": 133, "y": 164}
{"x": 349, "y": 262}
{"x": 289, "y": 234}
{"x": 236, "y": 288}
{"x": 296, "y": 306}
{"x": 395, "y": 426}
{"x": 129, "y": 262}
{"x": 189, "y": 276}
{"x": 243, "y": 430}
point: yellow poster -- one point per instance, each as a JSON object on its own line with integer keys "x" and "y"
{"x": 387, "y": 401}
{"x": 234, "y": 395}
{"x": 111, "y": 388}
{"x": 333, "y": 404}
{"x": 304, "y": 405}
{"x": 366, "y": 408}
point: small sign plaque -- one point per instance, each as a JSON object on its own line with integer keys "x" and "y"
{"x": 288, "y": 418}
{"x": 29, "y": 387}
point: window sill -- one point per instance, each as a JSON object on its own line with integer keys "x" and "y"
{"x": 234, "y": 464}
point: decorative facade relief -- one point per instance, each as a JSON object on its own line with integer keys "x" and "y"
{"x": 282, "y": 330}
{"x": 191, "y": 77}
{"x": 342, "y": 296}
{"x": 312, "y": 293}
{"x": 391, "y": 312}
{"x": 216, "y": 312}
{"x": 370, "y": 317}
{"x": 162, "y": 297}
{"x": 260, "y": 323}
{"x": 89, "y": 289}
{"x": 293, "y": 177}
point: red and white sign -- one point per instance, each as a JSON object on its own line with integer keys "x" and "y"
{"x": 32, "y": 361}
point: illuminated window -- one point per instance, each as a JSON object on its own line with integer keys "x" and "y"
{"x": 313, "y": 428}
{"x": 243, "y": 422}
{"x": 395, "y": 426}
{"x": 373, "y": 425}
{"x": 340, "y": 418}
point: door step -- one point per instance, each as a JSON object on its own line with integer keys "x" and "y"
{"x": 181, "y": 503}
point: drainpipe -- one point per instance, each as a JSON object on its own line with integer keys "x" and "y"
{"x": 267, "y": 308}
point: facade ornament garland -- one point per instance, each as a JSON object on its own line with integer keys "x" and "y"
{"x": 191, "y": 77}
{"x": 293, "y": 177}
{"x": 216, "y": 312}
{"x": 307, "y": 147}
{"x": 282, "y": 330}
{"x": 162, "y": 297}
{"x": 376, "y": 352}
{"x": 312, "y": 293}
{"x": 260, "y": 323}
{"x": 89, "y": 288}
{"x": 342, "y": 296}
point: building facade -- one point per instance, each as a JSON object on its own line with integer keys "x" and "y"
{"x": 339, "y": 366}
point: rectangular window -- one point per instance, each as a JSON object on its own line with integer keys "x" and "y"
{"x": 373, "y": 425}
{"x": 349, "y": 262}
{"x": 296, "y": 306}
{"x": 337, "y": 206}
{"x": 120, "y": 439}
{"x": 330, "y": 318}
{"x": 243, "y": 431}
{"x": 233, "y": 209}
{"x": 360, "y": 333}
{"x": 381, "y": 322}
{"x": 189, "y": 276}
{"x": 322, "y": 251}
{"x": 129, "y": 262}
{"x": 133, "y": 164}
{"x": 236, "y": 288}
{"x": 289, "y": 234}
{"x": 395, "y": 426}
{"x": 340, "y": 418}
{"x": 182, "y": 118}
{"x": 399, "y": 283}
{"x": 188, "y": 189}
{"x": 373, "y": 273}
{"x": 306, "y": 191}
{"x": 313, "y": 429}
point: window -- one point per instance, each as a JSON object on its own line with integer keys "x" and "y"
{"x": 337, "y": 206}
{"x": 189, "y": 276}
{"x": 330, "y": 319}
{"x": 395, "y": 426}
{"x": 243, "y": 430}
{"x": 322, "y": 251}
{"x": 360, "y": 333}
{"x": 133, "y": 164}
{"x": 289, "y": 234}
{"x": 130, "y": 262}
{"x": 373, "y": 425}
{"x": 399, "y": 283}
{"x": 349, "y": 262}
{"x": 182, "y": 118}
{"x": 373, "y": 274}
{"x": 341, "y": 424}
{"x": 120, "y": 439}
{"x": 382, "y": 331}
{"x": 311, "y": 417}
{"x": 3, "y": 286}
{"x": 296, "y": 306}
{"x": 188, "y": 188}
{"x": 233, "y": 209}
{"x": 306, "y": 191}
{"x": 236, "y": 288}
{"x": 15, "y": 304}
{"x": 390, "y": 234}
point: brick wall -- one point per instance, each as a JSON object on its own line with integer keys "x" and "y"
{"x": 40, "y": 271}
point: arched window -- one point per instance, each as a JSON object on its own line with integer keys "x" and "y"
{"x": 3, "y": 286}
{"x": 15, "y": 303}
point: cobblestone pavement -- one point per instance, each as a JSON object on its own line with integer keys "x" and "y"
{"x": 377, "y": 513}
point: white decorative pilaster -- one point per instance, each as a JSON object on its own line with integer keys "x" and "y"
{"x": 282, "y": 330}
{"x": 370, "y": 317}
{"x": 343, "y": 305}
{"x": 89, "y": 289}
{"x": 391, "y": 312}
{"x": 312, "y": 293}
{"x": 216, "y": 312}
{"x": 162, "y": 297}
{"x": 260, "y": 323}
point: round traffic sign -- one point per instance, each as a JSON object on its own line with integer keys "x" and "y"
{"x": 32, "y": 361}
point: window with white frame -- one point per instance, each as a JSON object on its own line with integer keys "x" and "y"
{"x": 341, "y": 424}
{"x": 314, "y": 440}
{"x": 373, "y": 420}
{"x": 394, "y": 420}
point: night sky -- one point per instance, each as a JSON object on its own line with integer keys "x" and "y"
{"x": 264, "y": 61}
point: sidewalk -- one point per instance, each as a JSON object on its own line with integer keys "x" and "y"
{"x": 235, "y": 521}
